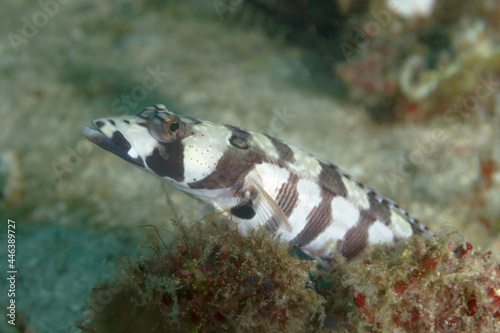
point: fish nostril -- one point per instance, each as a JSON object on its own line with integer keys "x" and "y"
{"x": 99, "y": 123}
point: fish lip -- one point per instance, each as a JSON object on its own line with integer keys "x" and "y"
{"x": 94, "y": 135}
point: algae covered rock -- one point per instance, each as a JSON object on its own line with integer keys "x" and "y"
{"x": 212, "y": 279}
{"x": 427, "y": 285}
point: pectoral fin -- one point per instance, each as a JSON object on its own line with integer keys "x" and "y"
{"x": 269, "y": 211}
{"x": 204, "y": 209}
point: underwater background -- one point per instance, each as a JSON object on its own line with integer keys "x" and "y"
{"x": 403, "y": 95}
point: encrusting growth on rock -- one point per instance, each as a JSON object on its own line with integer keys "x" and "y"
{"x": 428, "y": 285}
{"x": 212, "y": 279}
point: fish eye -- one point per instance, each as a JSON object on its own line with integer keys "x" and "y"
{"x": 166, "y": 130}
{"x": 173, "y": 126}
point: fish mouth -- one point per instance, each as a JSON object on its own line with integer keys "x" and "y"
{"x": 117, "y": 144}
{"x": 94, "y": 135}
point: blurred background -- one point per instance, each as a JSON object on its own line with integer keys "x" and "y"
{"x": 404, "y": 95}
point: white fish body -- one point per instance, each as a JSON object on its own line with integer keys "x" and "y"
{"x": 257, "y": 180}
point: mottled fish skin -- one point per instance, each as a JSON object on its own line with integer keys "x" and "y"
{"x": 258, "y": 180}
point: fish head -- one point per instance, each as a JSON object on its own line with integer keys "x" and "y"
{"x": 150, "y": 140}
{"x": 180, "y": 150}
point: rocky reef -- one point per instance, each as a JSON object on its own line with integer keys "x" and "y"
{"x": 211, "y": 279}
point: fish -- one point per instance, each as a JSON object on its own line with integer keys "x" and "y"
{"x": 258, "y": 181}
